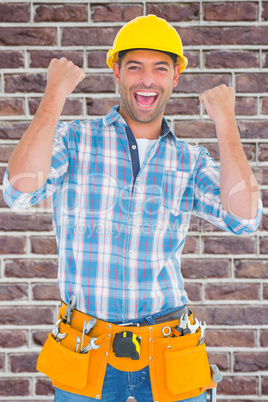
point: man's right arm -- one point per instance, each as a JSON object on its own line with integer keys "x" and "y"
{"x": 30, "y": 162}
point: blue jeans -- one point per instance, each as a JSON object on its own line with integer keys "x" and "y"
{"x": 119, "y": 385}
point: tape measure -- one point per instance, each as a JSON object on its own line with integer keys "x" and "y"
{"x": 127, "y": 344}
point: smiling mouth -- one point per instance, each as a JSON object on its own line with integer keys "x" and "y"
{"x": 145, "y": 99}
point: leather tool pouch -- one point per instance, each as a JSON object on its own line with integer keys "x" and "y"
{"x": 63, "y": 365}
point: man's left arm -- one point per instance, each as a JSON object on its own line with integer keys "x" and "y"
{"x": 239, "y": 190}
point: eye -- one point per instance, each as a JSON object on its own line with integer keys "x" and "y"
{"x": 133, "y": 68}
{"x": 162, "y": 69}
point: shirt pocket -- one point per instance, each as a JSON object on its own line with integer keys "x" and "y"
{"x": 176, "y": 191}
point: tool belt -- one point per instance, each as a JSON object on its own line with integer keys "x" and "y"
{"x": 179, "y": 369}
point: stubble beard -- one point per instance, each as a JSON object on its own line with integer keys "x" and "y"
{"x": 128, "y": 103}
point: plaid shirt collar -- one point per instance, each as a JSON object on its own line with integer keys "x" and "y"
{"x": 114, "y": 116}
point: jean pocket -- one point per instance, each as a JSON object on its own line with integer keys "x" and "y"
{"x": 176, "y": 191}
{"x": 187, "y": 369}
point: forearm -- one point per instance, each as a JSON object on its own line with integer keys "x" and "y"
{"x": 238, "y": 187}
{"x": 30, "y": 162}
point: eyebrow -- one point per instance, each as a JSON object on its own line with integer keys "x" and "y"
{"x": 156, "y": 64}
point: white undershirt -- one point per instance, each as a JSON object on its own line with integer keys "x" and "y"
{"x": 143, "y": 145}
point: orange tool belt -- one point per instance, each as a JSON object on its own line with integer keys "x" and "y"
{"x": 179, "y": 369}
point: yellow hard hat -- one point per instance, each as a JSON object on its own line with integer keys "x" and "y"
{"x": 147, "y": 32}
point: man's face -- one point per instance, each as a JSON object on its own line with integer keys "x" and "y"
{"x": 146, "y": 80}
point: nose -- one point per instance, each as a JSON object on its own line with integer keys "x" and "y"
{"x": 147, "y": 78}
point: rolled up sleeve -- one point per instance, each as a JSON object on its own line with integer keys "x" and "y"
{"x": 18, "y": 200}
{"x": 207, "y": 201}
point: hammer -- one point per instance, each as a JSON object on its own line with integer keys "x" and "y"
{"x": 216, "y": 377}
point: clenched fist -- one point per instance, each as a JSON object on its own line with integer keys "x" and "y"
{"x": 219, "y": 103}
{"x": 63, "y": 76}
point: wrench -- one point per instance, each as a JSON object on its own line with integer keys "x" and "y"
{"x": 56, "y": 332}
{"x": 193, "y": 327}
{"x": 91, "y": 345}
{"x": 202, "y": 334}
{"x": 77, "y": 343}
{"x": 179, "y": 329}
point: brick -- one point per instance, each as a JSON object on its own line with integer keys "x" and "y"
{"x": 221, "y": 359}
{"x": 201, "y": 82}
{"x": 46, "y": 292}
{"x": 194, "y": 291}
{"x": 182, "y": 106}
{"x": 2, "y": 362}
{"x": 73, "y": 107}
{"x": 87, "y": 36}
{"x": 25, "y": 83}
{"x": 26, "y": 315}
{"x": 96, "y": 83}
{"x": 23, "y": 363}
{"x": 115, "y": 12}
{"x": 264, "y": 106}
{"x": 231, "y": 338}
{"x": 228, "y": 291}
{"x": 31, "y": 268}
{"x": 14, "y": 12}
{"x": 43, "y": 245}
{"x": 61, "y": 13}
{"x": 2, "y": 171}
{"x": 2, "y": 202}
{"x": 12, "y": 244}
{"x": 9, "y": 59}
{"x": 264, "y": 338}
{"x": 96, "y": 59}
{"x": 231, "y": 59}
{"x": 251, "y": 269}
{"x": 44, "y": 386}
{"x": 40, "y": 337}
{"x": 23, "y": 36}
{"x": 205, "y": 268}
{"x": 191, "y": 245}
{"x": 13, "y": 339}
{"x": 42, "y": 58}
{"x": 264, "y": 11}
{"x": 175, "y": 11}
{"x": 249, "y": 35}
{"x": 253, "y": 361}
{"x": 20, "y": 222}
{"x": 194, "y": 129}
{"x": 230, "y": 12}
{"x": 264, "y": 197}
{"x": 214, "y": 151}
{"x": 252, "y": 82}
{"x": 263, "y": 152}
{"x": 265, "y": 292}
{"x": 232, "y": 314}
{"x": 246, "y": 106}
{"x": 5, "y": 152}
{"x": 229, "y": 245}
{"x": 193, "y": 58}
{"x": 264, "y": 222}
{"x": 264, "y": 386}
{"x": 253, "y": 129}
{"x": 265, "y": 59}
{"x": 10, "y": 292}
{"x": 11, "y": 107}
{"x": 14, "y": 387}
{"x": 238, "y": 386}
{"x": 12, "y": 130}
{"x": 264, "y": 245}
{"x": 100, "y": 107}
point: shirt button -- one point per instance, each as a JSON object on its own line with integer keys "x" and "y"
{"x": 138, "y": 179}
{"x": 130, "y": 286}
{"x": 130, "y": 252}
{"x": 134, "y": 214}
{"x": 133, "y": 147}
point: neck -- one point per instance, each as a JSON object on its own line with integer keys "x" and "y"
{"x": 151, "y": 130}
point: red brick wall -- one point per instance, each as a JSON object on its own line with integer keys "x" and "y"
{"x": 226, "y": 276}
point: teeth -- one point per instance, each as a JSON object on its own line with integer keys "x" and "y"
{"x": 147, "y": 93}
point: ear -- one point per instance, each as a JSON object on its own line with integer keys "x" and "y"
{"x": 116, "y": 72}
{"x": 176, "y": 75}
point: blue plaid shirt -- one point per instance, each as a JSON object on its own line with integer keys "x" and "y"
{"x": 121, "y": 227}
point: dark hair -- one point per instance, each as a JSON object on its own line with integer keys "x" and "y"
{"x": 122, "y": 54}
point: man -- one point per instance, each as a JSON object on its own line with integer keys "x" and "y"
{"x": 123, "y": 189}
